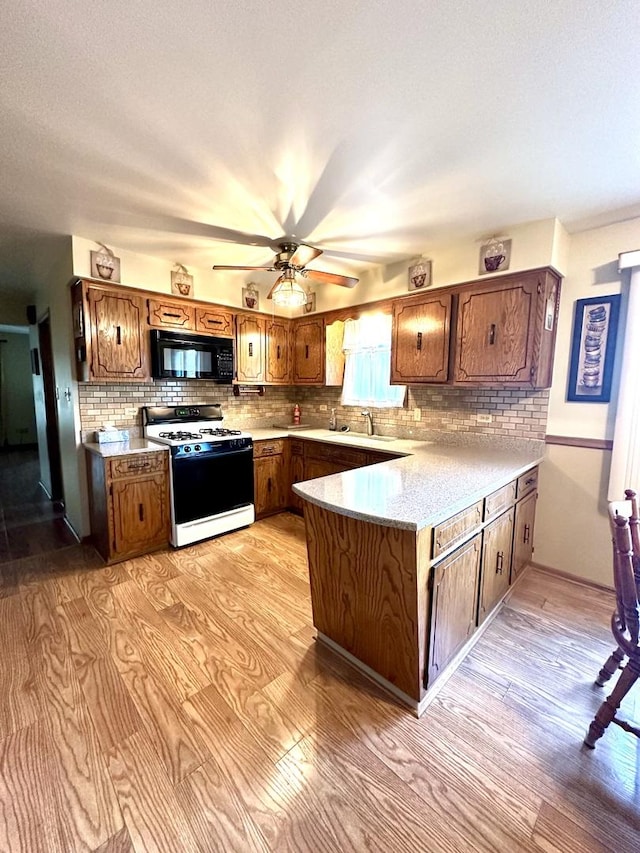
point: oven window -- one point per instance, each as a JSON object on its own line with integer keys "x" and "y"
{"x": 204, "y": 486}
{"x": 186, "y": 363}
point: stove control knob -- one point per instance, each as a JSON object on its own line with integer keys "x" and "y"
{"x": 187, "y": 448}
{"x": 197, "y": 447}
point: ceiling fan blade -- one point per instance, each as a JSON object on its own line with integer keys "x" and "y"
{"x": 303, "y": 255}
{"x": 331, "y": 278}
{"x": 275, "y": 284}
{"x": 223, "y": 267}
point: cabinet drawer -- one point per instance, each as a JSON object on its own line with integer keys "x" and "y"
{"x": 214, "y": 321}
{"x": 140, "y": 463}
{"x": 527, "y": 483}
{"x": 499, "y": 500}
{"x": 345, "y": 456}
{"x": 174, "y": 315}
{"x": 297, "y": 447}
{"x": 268, "y": 448}
{"x": 456, "y": 528}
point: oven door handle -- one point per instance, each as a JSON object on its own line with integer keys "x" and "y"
{"x": 225, "y": 454}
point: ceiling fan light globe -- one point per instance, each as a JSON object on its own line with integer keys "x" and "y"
{"x": 289, "y": 293}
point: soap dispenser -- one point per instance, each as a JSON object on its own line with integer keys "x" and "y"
{"x": 333, "y": 423}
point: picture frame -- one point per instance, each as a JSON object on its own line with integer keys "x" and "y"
{"x": 105, "y": 266}
{"x": 310, "y": 305}
{"x": 251, "y": 297}
{"x": 182, "y": 284}
{"x": 495, "y": 256}
{"x": 419, "y": 275}
{"x": 593, "y": 347}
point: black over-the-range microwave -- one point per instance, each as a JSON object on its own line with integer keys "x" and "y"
{"x": 183, "y": 355}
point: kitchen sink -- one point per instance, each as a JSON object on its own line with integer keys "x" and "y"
{"x": 359, "y": 435}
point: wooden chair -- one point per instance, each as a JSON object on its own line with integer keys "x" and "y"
{"x": 628, "y": 507}
{"x": 625, "y": 624}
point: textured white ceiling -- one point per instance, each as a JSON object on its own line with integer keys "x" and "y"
{"x": 371, "y": 128}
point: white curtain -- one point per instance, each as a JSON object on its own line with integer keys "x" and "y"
{"x": 625, "y": 459}
{"x": 367, "y": 369}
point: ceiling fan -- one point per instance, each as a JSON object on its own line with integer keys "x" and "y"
{"x": 291, "y": 261}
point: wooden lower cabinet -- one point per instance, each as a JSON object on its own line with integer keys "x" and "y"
{"x": 496, "y": 563}
{"x": 296, "y": 472}
{"x": 270, "y": 480}
{"x": 129, "y": 504}
{"x": 523, "y": 534}
{"x": 454, "y": 597}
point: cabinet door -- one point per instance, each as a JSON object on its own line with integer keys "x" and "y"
{"x": 496, "y": 333}
{"x": 296, "y": 473}
{"x": 250, "y": 355}
{"x": 118, "y": 344}
{"x": 496, "y": 563}
{"x": 140, "y": 518}
{"x": 308, "y": 352}
{"x": 215, "y": 321}
{"x": 420, "y": 342}
{"x": 269, "y": 485}
{"x": 321, "y": 468}
{"x": 278, "y": 360}
{"x": 523, "y": 534}
{"x": 454, "y": 601}
{"x": 166, "y": 314}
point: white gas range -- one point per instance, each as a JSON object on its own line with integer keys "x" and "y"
{"x": 211, "y": 470}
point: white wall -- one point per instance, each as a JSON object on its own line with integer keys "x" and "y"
{"x": 453, "y": 262}
{"x": 17, "y": 410}
{"x": 52, "y": 295}
{"x": 572, "y": 529}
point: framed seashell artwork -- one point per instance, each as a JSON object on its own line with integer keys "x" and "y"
{"x": 593, "y": 347}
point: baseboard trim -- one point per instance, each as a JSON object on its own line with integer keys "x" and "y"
{"x": 567, "y": 576}
{"x": 572, "y": 441}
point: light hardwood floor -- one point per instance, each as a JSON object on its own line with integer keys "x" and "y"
{"x": 178, "y": 702}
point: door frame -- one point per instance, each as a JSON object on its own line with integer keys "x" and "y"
{"x": 50, "y": 407}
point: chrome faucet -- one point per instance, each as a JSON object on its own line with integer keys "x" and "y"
{"x": 367, "y": 414}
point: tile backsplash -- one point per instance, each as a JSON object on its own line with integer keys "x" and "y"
{"x": 518, "y": 414}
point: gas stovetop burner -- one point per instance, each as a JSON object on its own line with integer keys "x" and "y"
{"x": 221, "y": 431}
{"x": 180, "y": 436}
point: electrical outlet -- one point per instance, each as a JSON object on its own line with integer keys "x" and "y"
{"x": 132, "y": 412}
{"x": 484, "y": 418}
{"x": 322, "y": 407}
{"x": 417, "y": 414}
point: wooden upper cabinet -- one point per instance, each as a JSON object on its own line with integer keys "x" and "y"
{"x": 420, "y": 341}
{"x": 167, "y": 314}
{"x": 250, "y": 348}
{"x": 117, "y": 329}
{"x": 214, "y": 321}
{"x": 308, "y": 351}
{"x": 278, "y": 352}
{"x": 505, "y": 331}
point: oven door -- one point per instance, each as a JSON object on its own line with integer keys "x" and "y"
{"x": 207, "y": 485}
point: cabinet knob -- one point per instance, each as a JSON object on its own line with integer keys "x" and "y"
{"x": 250, "y": 350}
{"x": 118, "y": 335}
{"x": 492, "y": 333}
{"x": 419, "y": 341}
{"x": 306, "y": 351}
{"x": 141, "y": 512}
{"x": 499, "y": 562}
{"x": 278, "y": 351}
{"x": 527, "y": 534}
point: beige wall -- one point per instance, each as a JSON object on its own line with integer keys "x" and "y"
{"x": 572, "y": 529}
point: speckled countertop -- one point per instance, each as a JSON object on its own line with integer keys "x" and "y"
{"x": 428, "y": 483}
{"x": 124, "y": 448}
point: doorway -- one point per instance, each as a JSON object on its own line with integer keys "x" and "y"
{"x": 50, "y": 409}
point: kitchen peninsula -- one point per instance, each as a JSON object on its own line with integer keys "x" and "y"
{"x": 408, "y": 558}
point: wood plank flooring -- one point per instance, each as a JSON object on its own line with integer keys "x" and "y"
{"x": 178, "y": 702}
